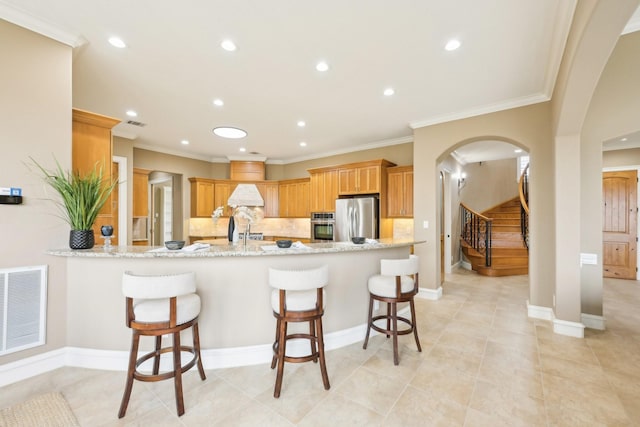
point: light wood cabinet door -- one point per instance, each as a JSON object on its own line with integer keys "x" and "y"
{"x": 400, "y": 192}
{"x": 201, "y": 197}
{"x": 140, "y": 192}
{"x": 293, "y": 198}
{"x": 359, "y": 180}
{"x": 269, "y": 193}
{"x": 221, "y": 194}
{"x": 323, "y": 191}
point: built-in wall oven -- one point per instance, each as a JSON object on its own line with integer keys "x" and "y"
{"x": 323, "y": 226}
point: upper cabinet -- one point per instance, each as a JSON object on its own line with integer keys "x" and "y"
{"x": 293, "y": 195}
{"x": 202, "y": 197}
{"x": 140, "y": 192}
{"x": 247, "y": 171}
{"x": 92, "y": 145}
{"x": 323, "y": 189}
{"x": 207, "y": 194}
{"x": 363, "y": 177}
{"x": 400, "y": 192}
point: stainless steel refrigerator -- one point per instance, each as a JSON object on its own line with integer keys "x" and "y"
{"x": 356, "y": 217}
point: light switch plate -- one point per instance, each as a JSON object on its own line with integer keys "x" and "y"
{"x": 425, "y": 224}
{"x": 589, "y": 259}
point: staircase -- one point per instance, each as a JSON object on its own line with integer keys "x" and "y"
{"x": 509, "y": 256}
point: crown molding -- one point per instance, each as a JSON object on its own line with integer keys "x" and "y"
{"x": 38, "y": 25}
{"x": 485, "y": 109}
{"x": 180, "y": 153}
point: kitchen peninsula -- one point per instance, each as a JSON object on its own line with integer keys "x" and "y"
{"x": 236, "y": 323}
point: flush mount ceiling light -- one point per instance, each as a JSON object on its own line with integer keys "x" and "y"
{"x": 229, "y": 132}
{"x": 228, "y": 45}
{"x": 322, "y": 66}
{"x": 389, "y": 91}
{"x": 132, "y": 113}
{"x": 452, "y": 44}
{"x": 117, "y": 42}
{"x": 218, "y": 102}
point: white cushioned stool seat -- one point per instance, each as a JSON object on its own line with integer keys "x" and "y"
{"x": 385, "y": 286}
{"x": 157, "y": 310}
{"x": 297, "y": 300}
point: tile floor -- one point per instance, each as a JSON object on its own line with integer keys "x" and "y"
{"x": 484, "y": 363}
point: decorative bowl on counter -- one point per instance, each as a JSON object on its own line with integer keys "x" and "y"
{"x": 358, "y": 240}
{"x": 174, "y": 244}
{"x": 283, "y": 243}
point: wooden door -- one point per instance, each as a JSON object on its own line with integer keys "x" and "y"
{"x": 619, "y": 231}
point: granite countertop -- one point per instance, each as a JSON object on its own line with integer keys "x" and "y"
{"x": 252, "y": 248}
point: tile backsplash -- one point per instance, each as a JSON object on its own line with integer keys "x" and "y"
{"x": 282, "y": 227}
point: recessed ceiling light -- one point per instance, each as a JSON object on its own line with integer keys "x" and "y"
{"x": 218, "y": 102}
{"x": 322, "y": 66}
{"x": 242, "y": 149}
{"x": 623, "y": 139}
{"x": 303, "y": 144}
{"x": 229, "y": 132}
{"x": 517, "y": 150}
{"x": 452, "y": 45}
{"x": 132, "y": 113}
{"x": 389, "y": 91}
{"x": 301, "y": 124}
{"x": 184, "y": 142}
{"x": 228, "y": 45}
{"x": 117, "y": 42}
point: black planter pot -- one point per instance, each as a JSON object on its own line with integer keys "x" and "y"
{"x": 231, "y": 228}
{"x": 81, "y": 239}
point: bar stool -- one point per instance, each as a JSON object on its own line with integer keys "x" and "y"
{"x": 396, "y": 283}
{"x": 298, "y": 296}
{"x": 163, "y": 305}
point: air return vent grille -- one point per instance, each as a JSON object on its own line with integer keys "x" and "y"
{"x": 134, "y": 123}
{"x": 23, "y": 297}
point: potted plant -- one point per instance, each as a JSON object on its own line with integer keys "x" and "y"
{"x": 81, "y": 198}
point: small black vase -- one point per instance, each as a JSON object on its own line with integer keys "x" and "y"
{"x": 81, "y": 239}
{"x": 232, "y": 226}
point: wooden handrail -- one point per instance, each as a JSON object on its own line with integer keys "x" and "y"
{"x": 478, "y": 214}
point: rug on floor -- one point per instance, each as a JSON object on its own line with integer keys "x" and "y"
{"x": 47, "y": 410}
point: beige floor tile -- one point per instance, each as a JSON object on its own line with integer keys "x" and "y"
{"x": 212, "y": 402}
{"x": 580, "y": 373}
{"x": 435, "y": 383}
{"x": 593, "y": 402}
{"x": 372, "y": 390}
{"x": 452, "y": 359}
{"x": 526, "y": 380}
{"x": 568, "y": 348}
{"x": 339, "y": 411}
{"x": 252, "y": 415}
{"x": 517, "y": 409}
{"x": 463, "y": 343}
{"x": 417, "y": 408}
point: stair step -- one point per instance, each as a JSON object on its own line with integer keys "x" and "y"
{"x": 501, "y": 271}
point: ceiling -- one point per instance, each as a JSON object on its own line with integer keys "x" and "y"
{"x": 173, "y": 68}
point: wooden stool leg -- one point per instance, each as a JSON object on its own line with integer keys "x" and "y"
{"x": 156, "y": 359}
{"x": 389, "y": 316}
{"x": 196, "y": 346}
{"x": 135, "y": 340}
{"x": 413, "y": 323}
{"x": 323, "y": 363}
{"x": 394, "y": 320}
{"x": 366, "y": 338}
{"x": 282, "y": 346}
{"x": 312, "y": 342}
{"x": 177, "y": 372}
{"x": 274, "y": 359}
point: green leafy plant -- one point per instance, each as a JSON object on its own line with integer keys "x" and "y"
{"x": 82, "y": 195}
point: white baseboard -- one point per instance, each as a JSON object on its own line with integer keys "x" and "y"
{"x": 571, "y": 329}
{"x": 31, "y": 366}
{"x": 466, "y": 265}
{"x": 430, "y": 294}
{"x": 112, "y": 360}
{"x": 538, "y": 312}
{"x": 593, "y": 322}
